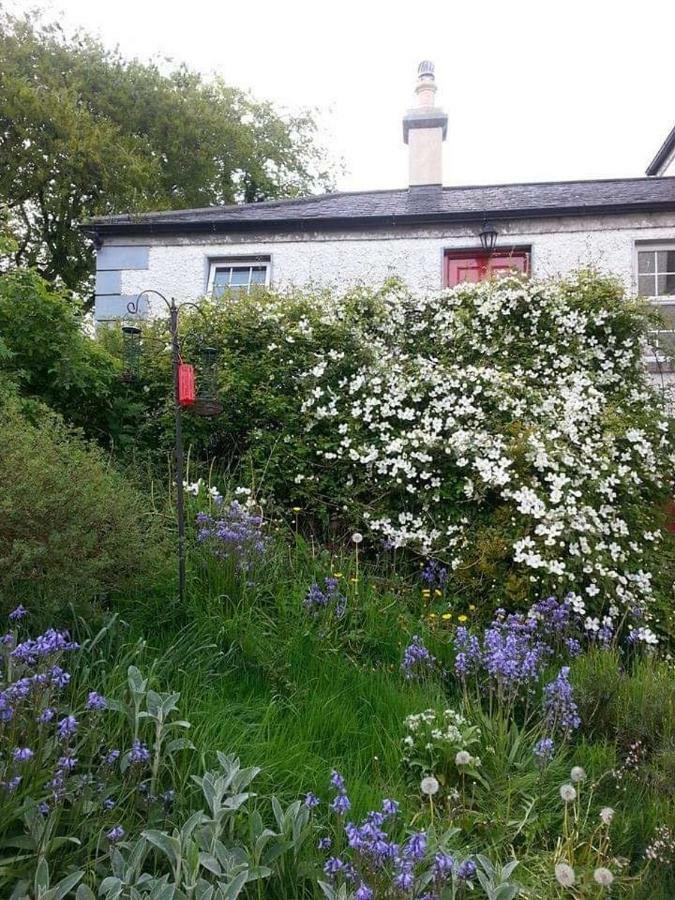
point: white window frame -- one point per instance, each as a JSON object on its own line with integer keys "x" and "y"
{"x": 657, "y": 299}
{"x": 239, "y": 262}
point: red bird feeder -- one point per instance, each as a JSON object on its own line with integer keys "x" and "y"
{"x": 186, "y": 385}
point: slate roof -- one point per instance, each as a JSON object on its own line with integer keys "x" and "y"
{"x": 664, "y": 152}
{"x": 368, "y": 209}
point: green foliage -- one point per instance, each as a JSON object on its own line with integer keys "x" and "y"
{"x": 71, "y": 527}
{"x": 46, "y": 353}
{"x": 84, "y": 132}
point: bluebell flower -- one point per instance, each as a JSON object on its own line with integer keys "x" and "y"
{"x": 417, "y": 660}
{"x": 311, "y": 800}
{"x": 324, "y": 843}
{"x": 390, "y": 807}
{"x": 560, "y": 708}
{"x": 96, "y": 701}
{"x": 22, "y": 754}
{"x": 19, "y": 613}
{"x": 341, "y": 804}
{"x": 443, "y": 866}
{"x": 66, "y": 727}
{"x": 416, "y": 846}
{"x": 332, "y": 866}
{"x": 337, "y": 781}
{"x": 115, "y": 834}
{"x": 544, "y": 749}
{"x": 466, "y": 870}
{"x": 139, "y": 753}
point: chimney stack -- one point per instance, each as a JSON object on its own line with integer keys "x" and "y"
{"x": 424, "y": 130}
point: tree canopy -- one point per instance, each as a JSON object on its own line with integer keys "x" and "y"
{"x": 84, "y": 131}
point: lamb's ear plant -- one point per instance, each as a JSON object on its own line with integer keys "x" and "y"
{"x": 495, "y": 881}
{"x": 41, "y": 887}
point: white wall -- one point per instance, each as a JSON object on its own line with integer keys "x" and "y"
{"x": 178, "y": 266}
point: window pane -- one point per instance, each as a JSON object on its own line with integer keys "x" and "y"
{"x": 663, "y": 338}
{"x": 646, "y": 285}
{"x": 222, "y": 277}
{"x": 666, "y": 260}
{"x": 258, "y": 274}
{"x": 240, "y": 277}
{"x": 646, "y": 261}
{"x": 665, "y": 284}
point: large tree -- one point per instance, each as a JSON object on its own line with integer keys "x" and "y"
{"x": 84, "y": 132}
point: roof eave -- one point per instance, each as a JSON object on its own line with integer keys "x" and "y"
{"x": 361, "y": 223}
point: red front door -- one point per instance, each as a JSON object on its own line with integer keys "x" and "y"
{"x": 476, "y": 266}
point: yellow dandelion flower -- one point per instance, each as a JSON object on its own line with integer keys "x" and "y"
{"x": 353, "y": 580}
{"x": 297, "y": 509}
{"x": 438, "y": 593}
{"x": 433, "y": 616}
{"x": 462, "y": 618}
{"x": 446, "y": 616}
{"x": 337, "y": 575}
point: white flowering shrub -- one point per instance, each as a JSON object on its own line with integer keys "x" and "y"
{"x": 508, "y": 428}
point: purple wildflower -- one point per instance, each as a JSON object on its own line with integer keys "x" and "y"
{"x": 58, "y": 677}
{"x": 311, "y": 800}
{"x": 96, "y": 701}
{"x": 337, "y": 781}
{"x": 111, "y": 757}
{"x": 466, "y": 870}
{"x": 332, "y": 866}
{"x": 390, "y": 807}
{"x": 404, "y": 878}
{"x": 417, "y": 660}
{"x": 443, "y": 866}
{"x": 324, "y": 843}
{"x": 13, "y": 783}
{"x": 19, "y": 613}
{"x": 363, "y": 892}
{"x": 66, "y": 727}
{"x": 544, "y": 749}
{"x": 318, "y": 599}
{"x": 46, "y": 715}
{"x": 22, "y": 754}
{"x": 115, "y": 834}
{"x": 139, "y": 753}
{"x": 561, "y": 711}
{"x": 416, "y": 846}
{"x": 434, "y": 574}
{"x": 341, "y": 804}
{"x": 234, "y": 534}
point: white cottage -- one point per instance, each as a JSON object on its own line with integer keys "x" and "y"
{"x": 431, "y": 236}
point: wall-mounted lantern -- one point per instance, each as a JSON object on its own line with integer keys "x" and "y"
{"x": 488, "y": 237}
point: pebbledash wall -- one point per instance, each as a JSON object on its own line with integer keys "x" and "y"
{"x": 178, "y": 266}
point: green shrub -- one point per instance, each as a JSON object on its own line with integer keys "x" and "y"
{"x": 71, "y": 527}
{"x": 507, "y": 428}
{"x": 47, "y": 353}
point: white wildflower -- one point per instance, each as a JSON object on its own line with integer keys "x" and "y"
{"x": 429, "y": 785}
{"x": 564, "y": 874}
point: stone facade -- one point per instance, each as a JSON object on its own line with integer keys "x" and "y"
{"x": 178, "y": 265}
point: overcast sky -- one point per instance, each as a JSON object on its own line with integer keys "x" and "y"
{"x": 534, "y": 91}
